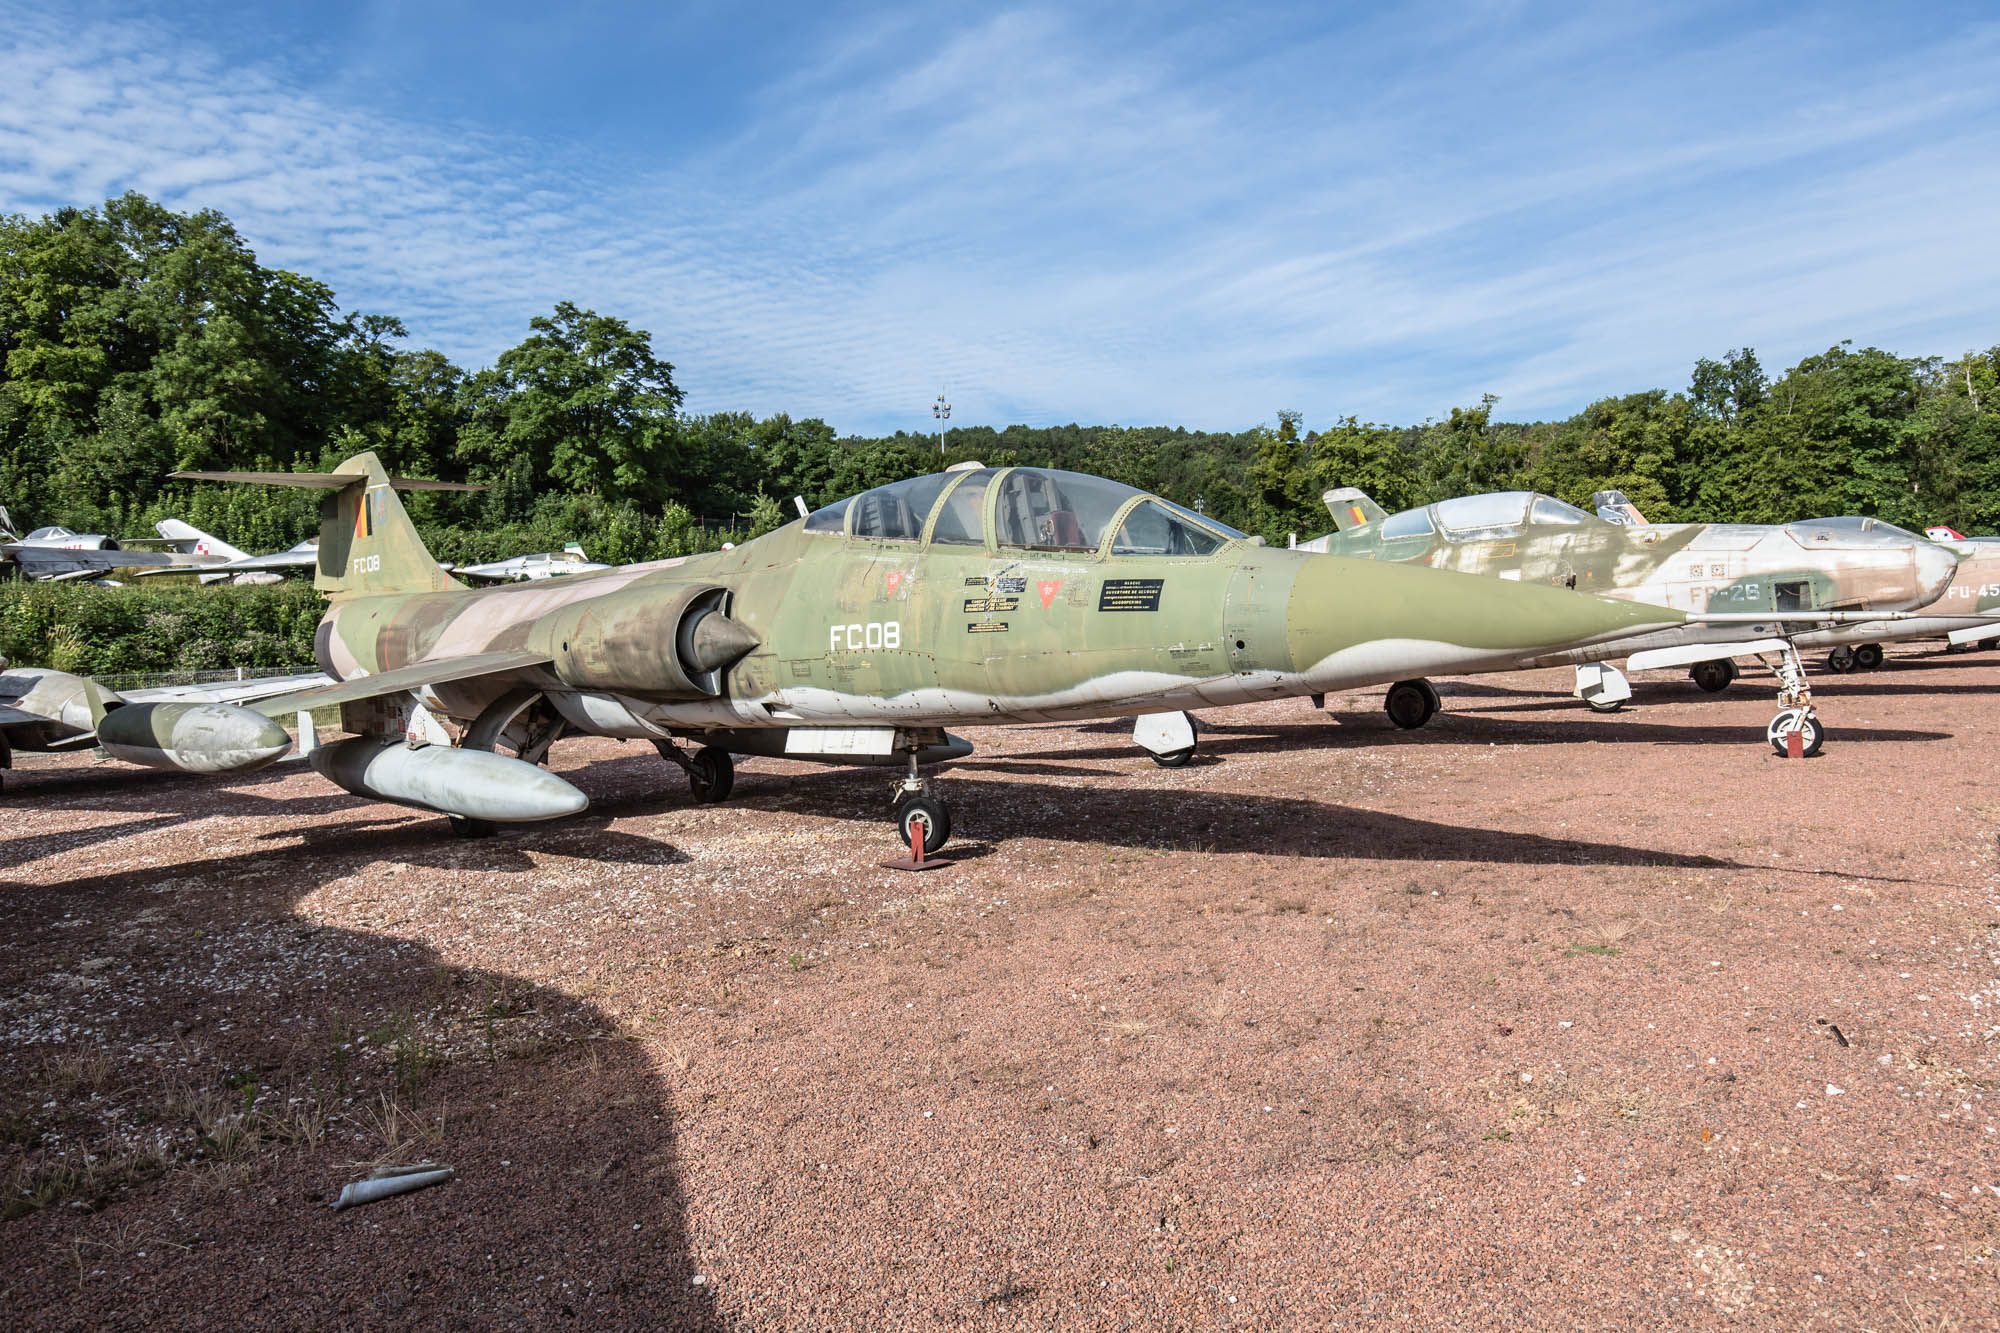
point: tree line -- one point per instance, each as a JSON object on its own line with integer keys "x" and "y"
{"x": 138, "y": 341}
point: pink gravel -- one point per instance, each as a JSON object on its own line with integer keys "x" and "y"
{"x": 1526, "y": 1020}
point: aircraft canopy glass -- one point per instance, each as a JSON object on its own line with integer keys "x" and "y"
{"x": 1157, "y": 528}
{"x": 1847, "y": 533}
{"x": 1409, "y": 523}
{"x": 1548, "y": 509}
{"x": 961, "y": 520}
{"x": 1474, "y": 513}
{"x": 1036, "y": 508}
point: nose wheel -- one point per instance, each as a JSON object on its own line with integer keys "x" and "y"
{"x": 1796, "y": 732}
{"x": 921, "y": 815}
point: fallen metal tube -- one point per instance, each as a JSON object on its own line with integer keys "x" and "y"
{"x": 384, "y": 1186}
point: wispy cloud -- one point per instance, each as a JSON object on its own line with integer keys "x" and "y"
{"x": 1182, "y": 221}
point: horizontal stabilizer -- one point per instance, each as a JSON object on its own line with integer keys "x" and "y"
{"x": 323, "y": 481}
{"x": 411, "y": 677}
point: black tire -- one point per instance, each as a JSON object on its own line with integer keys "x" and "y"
{"x": 1713, "y": 676}
{"x": 1988, "y": 645}
{"x": 1841, "y": 660}
{"x": 461, "y": 827}
{"x": 1179, "y": 758}
{"x": 1410, "y": 703}
{"x": 1868, "y": 657}
{"x": 1815, "y": 733}
{"x": 1608, "y": 706}
{"x": 711, "y": 775}
{"x": 936, "y": 817}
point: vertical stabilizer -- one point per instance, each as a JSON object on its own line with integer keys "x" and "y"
{"x": 197, "y": 541}
{"x": 1351, "y": 508}
{"x": 367, "y": 544}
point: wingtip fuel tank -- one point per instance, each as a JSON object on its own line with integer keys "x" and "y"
{"x": 192, "y": 737}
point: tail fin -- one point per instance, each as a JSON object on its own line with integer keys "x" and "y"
{"x": 367, "y": 544}
{"x": 198, "y": 541}
{"x": 1614, "y": 507}
{"x": 1351, "y": 508}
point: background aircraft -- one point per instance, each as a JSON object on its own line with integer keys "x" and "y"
{"x": 856, "y": 634}
{"x": 1773, "y": 583}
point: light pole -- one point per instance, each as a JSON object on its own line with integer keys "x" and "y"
{"x": 942, "y": 411}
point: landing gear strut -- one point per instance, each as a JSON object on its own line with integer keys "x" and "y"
{"x": 711, "y": 773}
{"x": 1411, "y": 703}
{"x": 1796, "y": 732}
{"x": 920, "y": 811}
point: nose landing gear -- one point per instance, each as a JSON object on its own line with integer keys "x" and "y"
{"x": 1796, "y": 732}
{"x": 923, "y": 820}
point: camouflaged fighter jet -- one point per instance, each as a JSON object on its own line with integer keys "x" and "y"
{"x": 854, "y": 635}
{"x": 1773, "y": 585}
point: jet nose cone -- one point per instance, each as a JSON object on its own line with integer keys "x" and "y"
{"x": 1935, "y": 567}
{"x": 718, "y": 641}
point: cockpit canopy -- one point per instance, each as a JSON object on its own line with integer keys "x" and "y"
{"x": 1470, "y": 514}
{"x": 1848, "y": 532}
{"x": 1027, "y": 508}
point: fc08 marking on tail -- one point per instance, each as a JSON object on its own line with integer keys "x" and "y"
{"x": 873, "y": 634}
{"x": 366, "y": 564}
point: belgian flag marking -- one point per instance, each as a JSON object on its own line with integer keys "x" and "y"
{"x": 366, "y": 513}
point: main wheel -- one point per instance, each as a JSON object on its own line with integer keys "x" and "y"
{"x": 461, "y": 827}
{"x": 1713, "y": 676}
{"x": 1840, "y": 659}
{"x": 1411, "y": 703}
{"x": 1868, "y": 657}
{"x": 1178, "y": 758}
{"x": 1605, "y": 705}
{"x": 1795, "y": 719}
{"x": 1988, "y": 645}
{"x": 711, "y": 775}
{"x": 933, "y": 814}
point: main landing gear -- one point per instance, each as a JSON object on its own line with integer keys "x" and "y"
{"x": 1411, "y": 703}
{"x": 711, "y": 773}
{"x": 1714, "y": 676}
{"x": 922, "y": 818}
{"x": 1796, "y": 732}
{"x": 1860, "y": 657}
{"x": 521, "y": 721}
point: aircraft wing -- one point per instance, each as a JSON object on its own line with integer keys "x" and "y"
{"x": 28, "y": 555}
{"x": 414, "y": 676}
{"x": 276, "y": 560}
{"x": 229, "y": 691}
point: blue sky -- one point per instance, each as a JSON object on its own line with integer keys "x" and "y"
{"x": 1182, "y": 214}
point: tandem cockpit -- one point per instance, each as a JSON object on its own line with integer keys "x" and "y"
{"x": 1023, "y": 508}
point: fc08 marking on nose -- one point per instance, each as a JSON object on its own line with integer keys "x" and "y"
{"x": 858, "y": 638}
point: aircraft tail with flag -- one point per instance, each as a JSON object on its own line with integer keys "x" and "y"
{"x": 367, "y": 544}
{"x": 1351, "y": 508}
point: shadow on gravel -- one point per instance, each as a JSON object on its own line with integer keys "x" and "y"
{"x": 219, "y": 1053}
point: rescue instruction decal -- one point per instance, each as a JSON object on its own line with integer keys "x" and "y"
{"x": 1130, "y": 595}
{"x": 987, "y": 605}
{"x": 986, "y": 627}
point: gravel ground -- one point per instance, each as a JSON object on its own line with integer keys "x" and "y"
{"x": 1531, "y": 1019}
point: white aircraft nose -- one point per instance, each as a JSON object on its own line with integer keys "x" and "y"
{"x": 1935, "y": 566}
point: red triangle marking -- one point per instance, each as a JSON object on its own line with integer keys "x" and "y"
{"x": 895, "y": 581}
{"x": 1048, "y": 589}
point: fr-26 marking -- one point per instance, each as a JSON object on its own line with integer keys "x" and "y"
{"x": 862, "y": 637}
